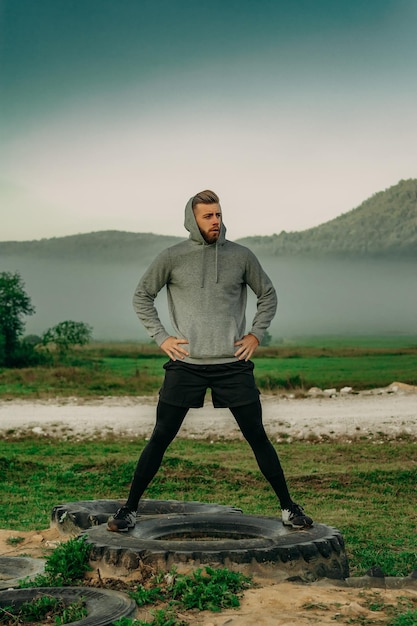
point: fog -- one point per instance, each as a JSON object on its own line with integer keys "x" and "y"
{"x": 315, "y": 297}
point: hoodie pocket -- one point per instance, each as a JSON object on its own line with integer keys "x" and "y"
{"x": 213, "y": 339}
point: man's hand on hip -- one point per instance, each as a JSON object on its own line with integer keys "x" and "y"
{"x": 173, "y": 348}
{"x": 247, "y": 346}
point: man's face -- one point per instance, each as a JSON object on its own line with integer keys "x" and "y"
{"x": 209, "y": 219}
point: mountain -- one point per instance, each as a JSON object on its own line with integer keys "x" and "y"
{"x": 112, "y": 246}
{"x": 385, "y": 225}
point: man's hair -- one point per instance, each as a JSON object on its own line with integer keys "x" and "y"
{"x": 205, "y": 197}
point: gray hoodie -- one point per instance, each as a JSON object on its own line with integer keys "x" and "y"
{"x": 207, "y": 293}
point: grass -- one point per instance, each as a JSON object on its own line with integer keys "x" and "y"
{"x": 363, "y": 488}
{"x": 327, "y": 371}
{"x": 44, "y": 609}
{"x": 211, "y": 589}
{"x": 136, "y": 369}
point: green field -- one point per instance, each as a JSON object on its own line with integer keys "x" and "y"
{"x": 136, "y": 369}
{"x": 365, "y": 490}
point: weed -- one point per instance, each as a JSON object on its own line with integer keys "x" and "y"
{"x": 72, "y": 613}
{"x": 163, "y": 617}
{"x": 409, "y": 618}
{"x": 69, "y": 562}
{"x": 14, "y": 541}
{"x": 403, "y": 613}
{"x": 45, "y": 608}
{"x": 144, "y": 596}
{"x": 213, "y": 590}
{"x": 66, "y": 565}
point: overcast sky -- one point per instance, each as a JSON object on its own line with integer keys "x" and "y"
{"x": 115, "y": 112}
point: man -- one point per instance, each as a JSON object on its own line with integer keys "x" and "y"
{"x": 206, "y": 278}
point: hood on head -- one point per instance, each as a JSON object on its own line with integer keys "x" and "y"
{"x": 191, "y": 225}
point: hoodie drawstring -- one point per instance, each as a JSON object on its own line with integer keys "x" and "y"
{"x": 203, "y": 253}
{"x": 216, "y": 265}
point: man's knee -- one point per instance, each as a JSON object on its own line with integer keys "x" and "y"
{"x": 256, "y": 436}
{"x": 162, "y": 435}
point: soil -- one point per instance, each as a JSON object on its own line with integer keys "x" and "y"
{"x": 267, "y": 604}
{"x": 389, "y": 412}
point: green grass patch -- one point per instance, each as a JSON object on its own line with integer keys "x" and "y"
{"x": 44, "y": 609}
{"x": 364, "y": 488}
{"x": 327, "y": 371}
{"x": 136, "y": 369}
{"x": 209, "y": 589}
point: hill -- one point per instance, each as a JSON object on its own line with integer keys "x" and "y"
{"x": 385, "y": 225}
{"x": 109, "y": 245}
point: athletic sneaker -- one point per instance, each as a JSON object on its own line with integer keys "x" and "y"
{"x": 295, "y": 517}
{"x": 122, "y": 520}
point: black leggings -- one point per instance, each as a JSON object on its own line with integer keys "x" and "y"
{"x": 169, "y": 419}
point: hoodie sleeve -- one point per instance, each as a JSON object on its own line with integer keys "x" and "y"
{"x": 151, "y": 283}
{"x": 266, "y": 304}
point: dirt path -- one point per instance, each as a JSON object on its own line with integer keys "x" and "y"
{"x": 392, "y": 411}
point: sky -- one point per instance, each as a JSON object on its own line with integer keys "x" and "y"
{"x": 115, "y": 112}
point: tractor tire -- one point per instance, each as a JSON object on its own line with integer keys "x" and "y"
{"x": 103, "y": 606}
{"x": 245, "y": 542}
{"x": 72, "y": 517}
{"x": 15, "y": 568}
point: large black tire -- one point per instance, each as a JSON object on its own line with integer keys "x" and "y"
{"x": 226, "y": 540}
{"x": 15, "y": 568}
{"x": 71, "y": 517}
{"x": 103, "y": 606}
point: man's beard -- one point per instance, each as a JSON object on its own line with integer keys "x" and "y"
{"x": 211, "y": 237}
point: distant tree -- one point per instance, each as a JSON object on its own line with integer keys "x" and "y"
{"x": 32, "y": 340}
{"x": 15, "y": 304}
{"x": 68, "y": 334}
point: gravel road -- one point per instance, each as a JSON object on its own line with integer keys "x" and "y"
{"x": 391, "y": 411}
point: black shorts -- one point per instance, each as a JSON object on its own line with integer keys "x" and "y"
{"x": 231, "y": 384}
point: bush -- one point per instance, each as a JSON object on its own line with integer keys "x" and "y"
{"x": 25, "y": 355}
{"x": 65, "y": 566}
{"x": 33, "y": 340}
{"x": 68, "y": 334}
